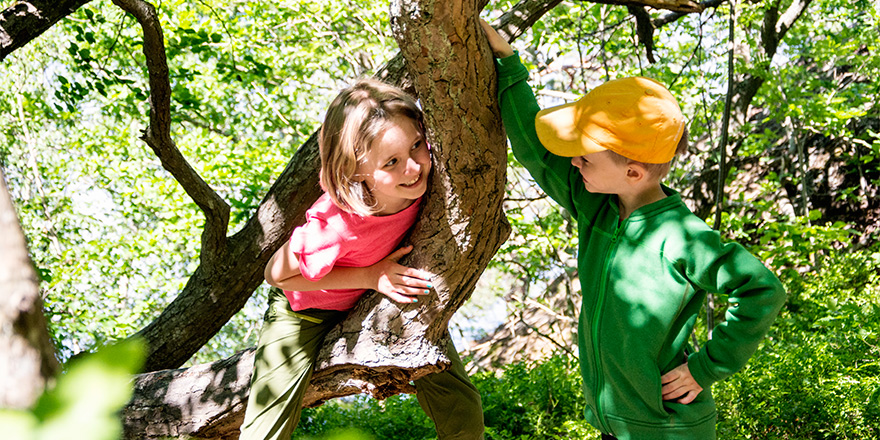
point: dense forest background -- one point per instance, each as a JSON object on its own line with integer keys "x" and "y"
{"x": 114, "y": 237}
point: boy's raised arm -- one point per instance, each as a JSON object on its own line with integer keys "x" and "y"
{"x": 518, "y": 110}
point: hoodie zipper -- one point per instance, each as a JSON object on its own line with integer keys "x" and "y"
{"x": 600, "y": 300}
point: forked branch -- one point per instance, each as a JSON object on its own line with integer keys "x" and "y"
{"x": 158, "y": 133}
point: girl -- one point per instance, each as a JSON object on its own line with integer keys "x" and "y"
{"x": 374, "y": 171}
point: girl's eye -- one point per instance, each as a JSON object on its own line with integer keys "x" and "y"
{"x": 391, "y": 163}
{"x": 417, "y": 145}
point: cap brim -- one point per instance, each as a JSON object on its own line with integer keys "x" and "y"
{"x": 557, "y": 130}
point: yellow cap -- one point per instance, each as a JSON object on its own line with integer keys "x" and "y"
{"x": 635, "y": 117}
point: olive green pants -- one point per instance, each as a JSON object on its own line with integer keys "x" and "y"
{"x": 283, "y": 364}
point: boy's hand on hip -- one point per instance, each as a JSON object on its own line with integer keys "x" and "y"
{"x": 679, "y": 385}
{"x": 399, "y": 282}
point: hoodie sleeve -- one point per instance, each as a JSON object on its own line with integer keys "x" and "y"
{"x": 554, "y": 174}
{"x": 755, "y": 296}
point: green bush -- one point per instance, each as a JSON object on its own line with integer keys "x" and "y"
{"x": 817, "y": 376}
{"x": 398, "y": 417}
{"x": 526, "y": 401}
{"x": 535, "y": 401}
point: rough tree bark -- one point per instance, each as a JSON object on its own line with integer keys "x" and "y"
{"x": 27, "y": 356}
{"x": 462, "y": 225}
{"x": 24, "y": 21}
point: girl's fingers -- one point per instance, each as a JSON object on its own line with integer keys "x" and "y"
{"x": 413, "y": 291}
{"x": 395, "y": 296}
{"x": 418, "y": 283}
{"x": 417, "y": 274}
{"x": 398, "y": 254}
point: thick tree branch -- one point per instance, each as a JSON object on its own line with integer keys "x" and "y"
{"x": 687, "y": 6}
{"x": 27, "y": 356}
{"x": 26, "y": 20}
{"x": 644, "y": 29}
{"x": 791, "y": 15}
{"x": 158, "y": 133}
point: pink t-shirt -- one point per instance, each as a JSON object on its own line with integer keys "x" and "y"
{"x": 331, "y": 237}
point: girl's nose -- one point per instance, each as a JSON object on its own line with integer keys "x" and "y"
{"x": 412, "y": 167}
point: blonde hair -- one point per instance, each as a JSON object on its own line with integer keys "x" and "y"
{"x": 659, "y": 170}
{"x": 354, "y": 119}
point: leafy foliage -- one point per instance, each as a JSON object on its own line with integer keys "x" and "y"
{"x": 115, "y": 238}
{"x": 525, "y": 401}
{"x": 85, "y": 401}
{"x": 817, "y": 375}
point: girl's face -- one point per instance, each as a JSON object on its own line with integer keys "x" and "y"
{"x": 397, "y": 166}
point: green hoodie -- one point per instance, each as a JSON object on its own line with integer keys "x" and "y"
{"x": 643, "y": 282}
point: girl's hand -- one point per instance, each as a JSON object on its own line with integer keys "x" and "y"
{"x": 398, "y": 282}
{"x": 679, "y": 385}
{"x": 499, "y": 45}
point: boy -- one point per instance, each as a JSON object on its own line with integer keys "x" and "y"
{"x": 645, "y": 262}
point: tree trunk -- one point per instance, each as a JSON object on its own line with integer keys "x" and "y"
{"x": 462, "y": 225}
{"x": 27, "y": 356}
{"x": 382, "y": 345}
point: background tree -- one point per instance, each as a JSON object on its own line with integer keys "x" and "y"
{"x": 28, "y": 361}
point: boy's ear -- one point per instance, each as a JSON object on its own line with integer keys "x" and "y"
{"x": 635, "y": 171}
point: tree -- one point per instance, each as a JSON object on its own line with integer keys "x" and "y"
{"x": 27, "y": 362}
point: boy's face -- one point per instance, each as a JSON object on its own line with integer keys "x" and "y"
{"x": 601, "y": 173}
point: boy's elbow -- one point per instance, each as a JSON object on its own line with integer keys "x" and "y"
{"x": 781, "y": 294}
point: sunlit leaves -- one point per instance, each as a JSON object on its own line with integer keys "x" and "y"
{"x": 112, "y": 233}
{"x": 84, "y": 403}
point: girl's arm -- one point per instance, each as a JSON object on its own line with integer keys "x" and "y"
{"x": 391, "y": 279}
